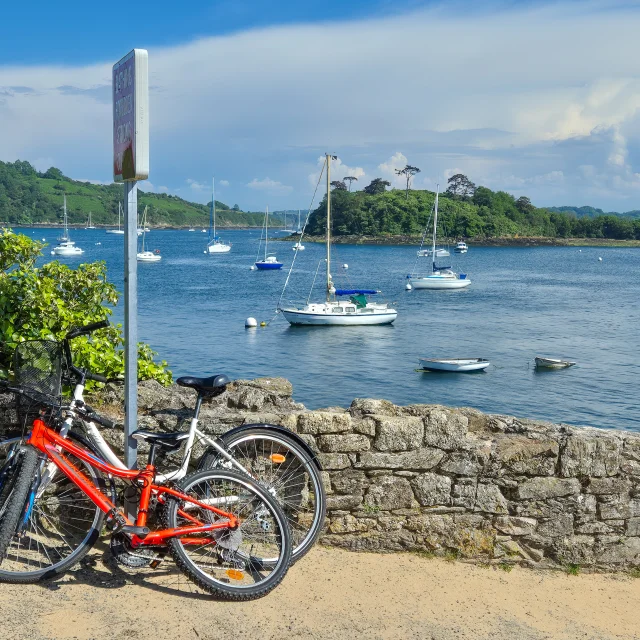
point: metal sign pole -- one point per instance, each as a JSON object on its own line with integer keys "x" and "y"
{"x": 130, "y": 164}
{"x": 130, "y": 321}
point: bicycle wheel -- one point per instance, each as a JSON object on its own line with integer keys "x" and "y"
{"x": 9, "y": 449}
{"x": 230, "y": 563}
{"x": 60, "y": 527}
{"x": 26, "y": 468}
{"x": 287, "y": 471}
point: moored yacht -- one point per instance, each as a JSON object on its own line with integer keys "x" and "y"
{"x": 66, "y": 247}
{"x": 358, "y": 310}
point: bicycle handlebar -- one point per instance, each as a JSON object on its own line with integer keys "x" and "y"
{"x": 95, "y": 376}
{"x": 86, "y": 330}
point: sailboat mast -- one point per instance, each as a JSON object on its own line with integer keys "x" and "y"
{"x": 266, "y": 233}
{"x": 66, "y": 226}
{"x": 213, "y": 206}
{"x": 435, "y": 226}
{"x": 118, "y": 216}
{"x": 328, "y": 158}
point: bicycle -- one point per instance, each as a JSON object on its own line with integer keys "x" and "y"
{"x": 224, "y": 531}
{"x": 277, "y": 458}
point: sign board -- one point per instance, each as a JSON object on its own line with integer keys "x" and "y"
{"x": 131, "y": 117}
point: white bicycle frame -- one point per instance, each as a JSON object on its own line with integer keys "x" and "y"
{"x": 105, "y": 450}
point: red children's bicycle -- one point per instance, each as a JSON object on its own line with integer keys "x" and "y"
{"x": 224, "y": 531}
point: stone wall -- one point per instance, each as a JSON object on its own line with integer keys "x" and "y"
{"x": 457, "y": 482}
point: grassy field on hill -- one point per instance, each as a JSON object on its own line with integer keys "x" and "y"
{"x": 30, "y": 197}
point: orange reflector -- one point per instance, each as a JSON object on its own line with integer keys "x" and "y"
{"x": 234, "y": 574}
{"x": 278, "y": 458}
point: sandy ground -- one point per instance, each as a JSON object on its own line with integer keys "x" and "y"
{"x": 329, "y": 594}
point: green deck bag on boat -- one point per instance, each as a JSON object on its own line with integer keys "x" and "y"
{"x": 359, "y": 300}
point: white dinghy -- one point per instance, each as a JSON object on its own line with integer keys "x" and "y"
{"x": 553, "y": 363}
{"x": 459, "y": 365}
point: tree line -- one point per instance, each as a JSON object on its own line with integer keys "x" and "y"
{"x": 465, "y": 211}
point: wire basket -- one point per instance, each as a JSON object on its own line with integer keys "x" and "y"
{"x": 37, "y": 369}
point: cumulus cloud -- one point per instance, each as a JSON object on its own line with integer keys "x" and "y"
{"x": 224, "y": 183}
{"x": 269, "y": 186}
{"x": 507, "y": 103}
{"x": 196, "y": 186}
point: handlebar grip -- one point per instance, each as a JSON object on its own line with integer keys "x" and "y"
{"x": 95, "y": 376}
{"x": 105, "y": 422}
{"x": 83, "y": 331}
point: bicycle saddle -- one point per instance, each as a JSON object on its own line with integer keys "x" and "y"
{"x": 169, "y": 441}
{"x": 206, "y": 385}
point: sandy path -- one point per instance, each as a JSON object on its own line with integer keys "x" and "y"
{"x": 330, "y": 594}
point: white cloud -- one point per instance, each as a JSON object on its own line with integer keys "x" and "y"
{"x": 495, "y": 110}
{"x": 162, "y": 189}
{"x": 339, "y": 170}
{"x": 224, "y": 183}
{"x": 196, "y": 186}
{"x": 272, "y": 187}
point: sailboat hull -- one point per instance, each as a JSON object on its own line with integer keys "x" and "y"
{"x": 318, "y": 317}
{"x": 438, "y": 283}
{"x": 218, "y": 248}
{"x": 266, "y": 266}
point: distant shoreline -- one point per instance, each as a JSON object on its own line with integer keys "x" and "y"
{"x": 53, "y": 225}
{"x": 485, "y": 242}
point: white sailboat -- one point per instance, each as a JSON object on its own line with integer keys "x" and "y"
{"x": 440, "y": 277}
{"x": 215, "y": 245}
{"x": 334, "y": 310}
{"x": 145, "y": 255}
{"x": 269, "y": 262}
{"x": 66, "y": 248}
{"x": 118, "y": 231}
{"x": 285, "y": 230}
{"x": 298, "y": 246}
{"x": 89, "y": 223}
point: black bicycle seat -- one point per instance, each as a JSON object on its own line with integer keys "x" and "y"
{"x": 167, "y": 440}
{"x": 205, "y": 385}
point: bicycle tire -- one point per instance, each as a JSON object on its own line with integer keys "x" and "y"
{"x": 303, "y": 537}
{"x": 242, "y": 563}
{"x": 27, "y": 466}
{"x": 42, "y": 521}
{"x": 8, "y": 467}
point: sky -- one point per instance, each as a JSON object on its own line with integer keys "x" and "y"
{"x": 537, "y": 99}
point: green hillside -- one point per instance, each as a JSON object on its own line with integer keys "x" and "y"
{"x": 28, "y": 196}
{"x": 478, "y": 214}
{"x": 591, "y": 212}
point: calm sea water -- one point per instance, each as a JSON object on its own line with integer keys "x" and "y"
{"x": 558, "y": 302}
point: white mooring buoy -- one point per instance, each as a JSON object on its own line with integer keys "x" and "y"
{"x": 252, "y": 267}
{"x": 250, "y": 323}
{"x": 600, "y": 259}
{"x": 345, "y": 266}
{"x": 408, "y": 287}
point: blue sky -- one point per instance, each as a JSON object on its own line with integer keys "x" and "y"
{"x": 533, "y": 98}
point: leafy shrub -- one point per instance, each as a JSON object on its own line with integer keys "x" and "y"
{"x": 44, "y": 303}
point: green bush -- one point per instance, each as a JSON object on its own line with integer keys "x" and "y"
{"x": 44, "y": 303}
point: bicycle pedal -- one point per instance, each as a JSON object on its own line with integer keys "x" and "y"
{"x": 155, "y": 563}
{"x": 133, "y": 530}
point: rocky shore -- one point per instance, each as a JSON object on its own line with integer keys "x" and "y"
{"x": 453, "y": 482}
{"x": 401, "y": 240}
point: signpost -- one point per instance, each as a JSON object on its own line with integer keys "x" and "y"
{"x": 130, "y": 164}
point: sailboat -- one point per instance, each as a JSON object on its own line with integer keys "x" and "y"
{"x": 145, "y": 255}
{"x": 66, "y": 247}
{"x": 298, "y": 246}
{"x": 440, "y": 277}
{"x": 89, "y": 224}
{"x": 334, "y": 311}
{"x": 285, "y": 230}
{"x": 117, "y": 231}
{"x": 215, "y": 245}
{"x": 269, "y": 262}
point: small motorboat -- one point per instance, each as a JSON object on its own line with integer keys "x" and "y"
{"x": 298, "y": 246}
{"x": 461, "y": 247}
{"x": 459, "y": 365}
{"x": 553, "y": 363}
